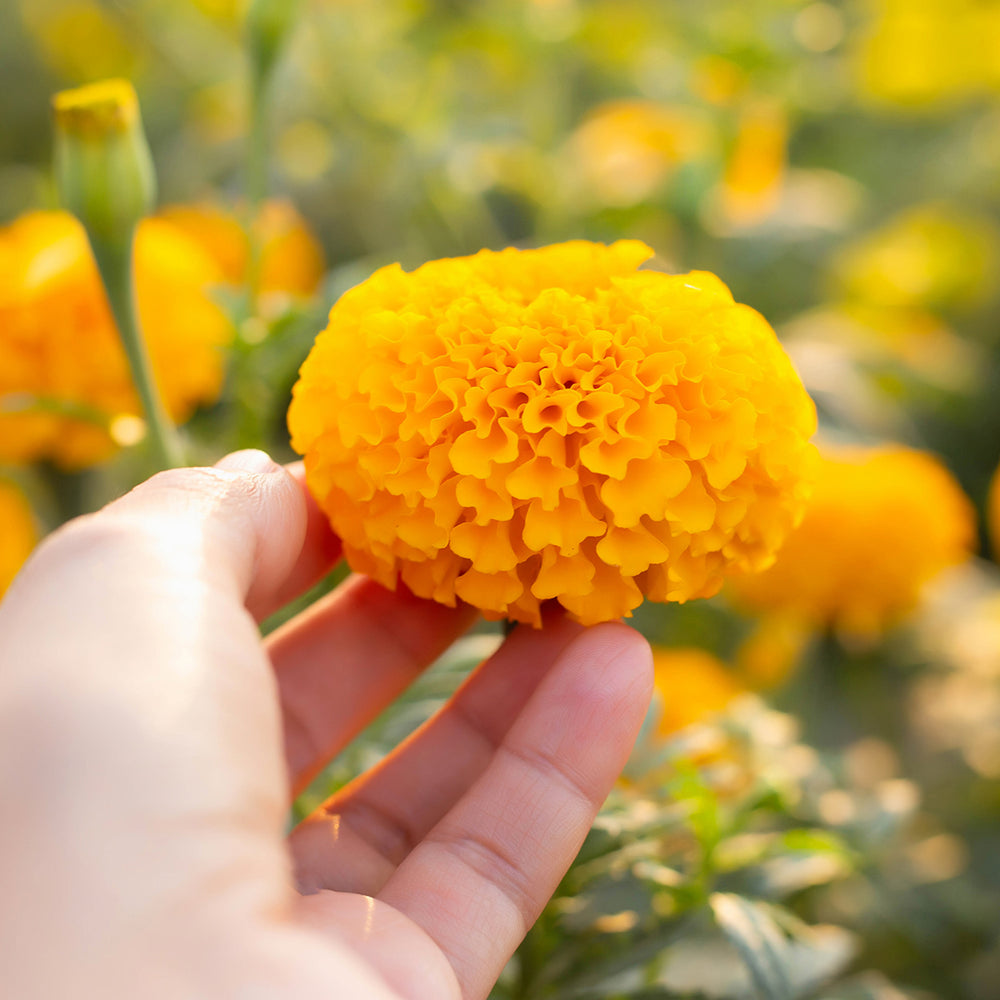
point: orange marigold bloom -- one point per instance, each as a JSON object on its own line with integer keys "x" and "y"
{"x": 625, "y": 150}
{"x": 882, "y": 522}
{"x": 61, "y": 350}
{"x": 19, "y": 534}
{"x": 291, "y": 259}
{"x": 993, "y": 513}
{"x": 691, "y": 685}
{"x": 514, "y": 427}
{"x": 751, "y": 186}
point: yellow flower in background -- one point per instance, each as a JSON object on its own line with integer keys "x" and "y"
{"x": 228, "y": 11}
{"x": 691, "y": 685}
{"x": 927, "y": 53}
{"x": 291, "y": 258}
{"x": 717, "y": 80}
{"x": 879, "y": 339}
{"x": 18, "y": 534}
{"x": 61, "y": 352}
{"x": 82, "y": 40}
{"x": 881, "y": 524}
{"x": 626, "y": 150}
{"x": 993, "y": 513}
{"x": 928, "y": 256}
{"x": 752, "y": 181}
{"x": 515, "y": 427}
{"x": 770, "y": 654}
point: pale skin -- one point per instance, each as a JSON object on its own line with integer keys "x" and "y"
{"x": 150, "y": 744}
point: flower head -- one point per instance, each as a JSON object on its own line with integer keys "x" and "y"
{"x": 625, "y": 150}
{"x": 519, "y": 426}
{"x": 882, "y": 522}
{"x": 751, "y": 186}
{"x": 931, "y": 256}
{"x": 65, "y": 375}
{"x": 291, "y": 260}
{"x": 19, "y": 534}
{"x": 993, "y": 513}
{"x": 926, "y": 54}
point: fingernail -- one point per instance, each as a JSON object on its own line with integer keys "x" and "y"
{"x": 248, "y": 460}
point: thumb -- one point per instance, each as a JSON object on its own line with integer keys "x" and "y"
{"x": 241, "y": 523}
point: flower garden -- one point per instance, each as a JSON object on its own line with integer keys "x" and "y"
{"x": 680, "y": 313}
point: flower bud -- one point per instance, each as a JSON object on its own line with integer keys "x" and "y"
{"x": 104, "y": 170}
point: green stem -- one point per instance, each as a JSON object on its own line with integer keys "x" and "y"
{"x": 256, "y": 180}
{"x": 114, "y": 261}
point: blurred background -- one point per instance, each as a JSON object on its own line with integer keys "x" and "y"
{"x": 838, "y": 165}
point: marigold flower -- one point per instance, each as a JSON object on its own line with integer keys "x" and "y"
{"x": 625, "y": 150}
{"x": 691, "y": 685}
{"x": 881, "y": 524}
{"x": 770, "y": 654}
{"x": 291, "y": 258}
{"x": 65, "y": 375}
{"x": 751, "y": 186}
{"x": 993, "y": 513}
{"x": 19, "y": 535}
{"x": 930, "y": 256}
{"x": 514, "y": 427}
{"x": 924, "y": 54}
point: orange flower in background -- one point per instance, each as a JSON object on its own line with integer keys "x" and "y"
{"x": 751, "y": 184}
{"x": 65, "y": 375}
{"x": 19, "y": 533}
{"x": 770, "y": 654}
{"x": 514, "y": 427}
{"x": 881, "y": 524}
{"x": 625, "y": 150}
{"x": 291, "y": 258}
{"x": 993, "y": 513}
{"x": 691, "y": 685}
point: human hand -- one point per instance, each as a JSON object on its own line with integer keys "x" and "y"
{"x": 148, "y": 739}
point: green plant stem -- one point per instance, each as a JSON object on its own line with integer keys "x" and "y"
{"x": 257, "y": 151}
{"x": 114, "y": 261}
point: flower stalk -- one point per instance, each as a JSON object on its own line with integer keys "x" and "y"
{"x": 105, "y": 177}
{"x": 268, "y": 26}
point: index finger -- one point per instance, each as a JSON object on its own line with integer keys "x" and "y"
{"x": 320, "y": 550}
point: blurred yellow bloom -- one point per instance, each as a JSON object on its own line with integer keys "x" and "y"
{"x": 929, "y": 256}
{"x": 80, "y": 39}
{"x": 881, "y": 524}
{"x": 768, "y": 656}
{"x": 514, "y": 427}
{"x": 626, "y": 150}
{"x": 925, "y": 53}
{"x": 752, "y": 182}
{"x": 717, "y": 80}
{"x": 691, "y": 685}
{"x": 291, "y": 259}
{"x": 65, "y": 374}
{"x": 229, "y": 11}
{"x": 993, "y": 513}
{"x": 18, "y": 534}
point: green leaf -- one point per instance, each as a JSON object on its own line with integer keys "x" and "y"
{"x": 759, "y": 941}
{"x": 786, "y": 958}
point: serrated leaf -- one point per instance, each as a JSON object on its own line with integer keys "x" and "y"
{"x": 759, "y": 941}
